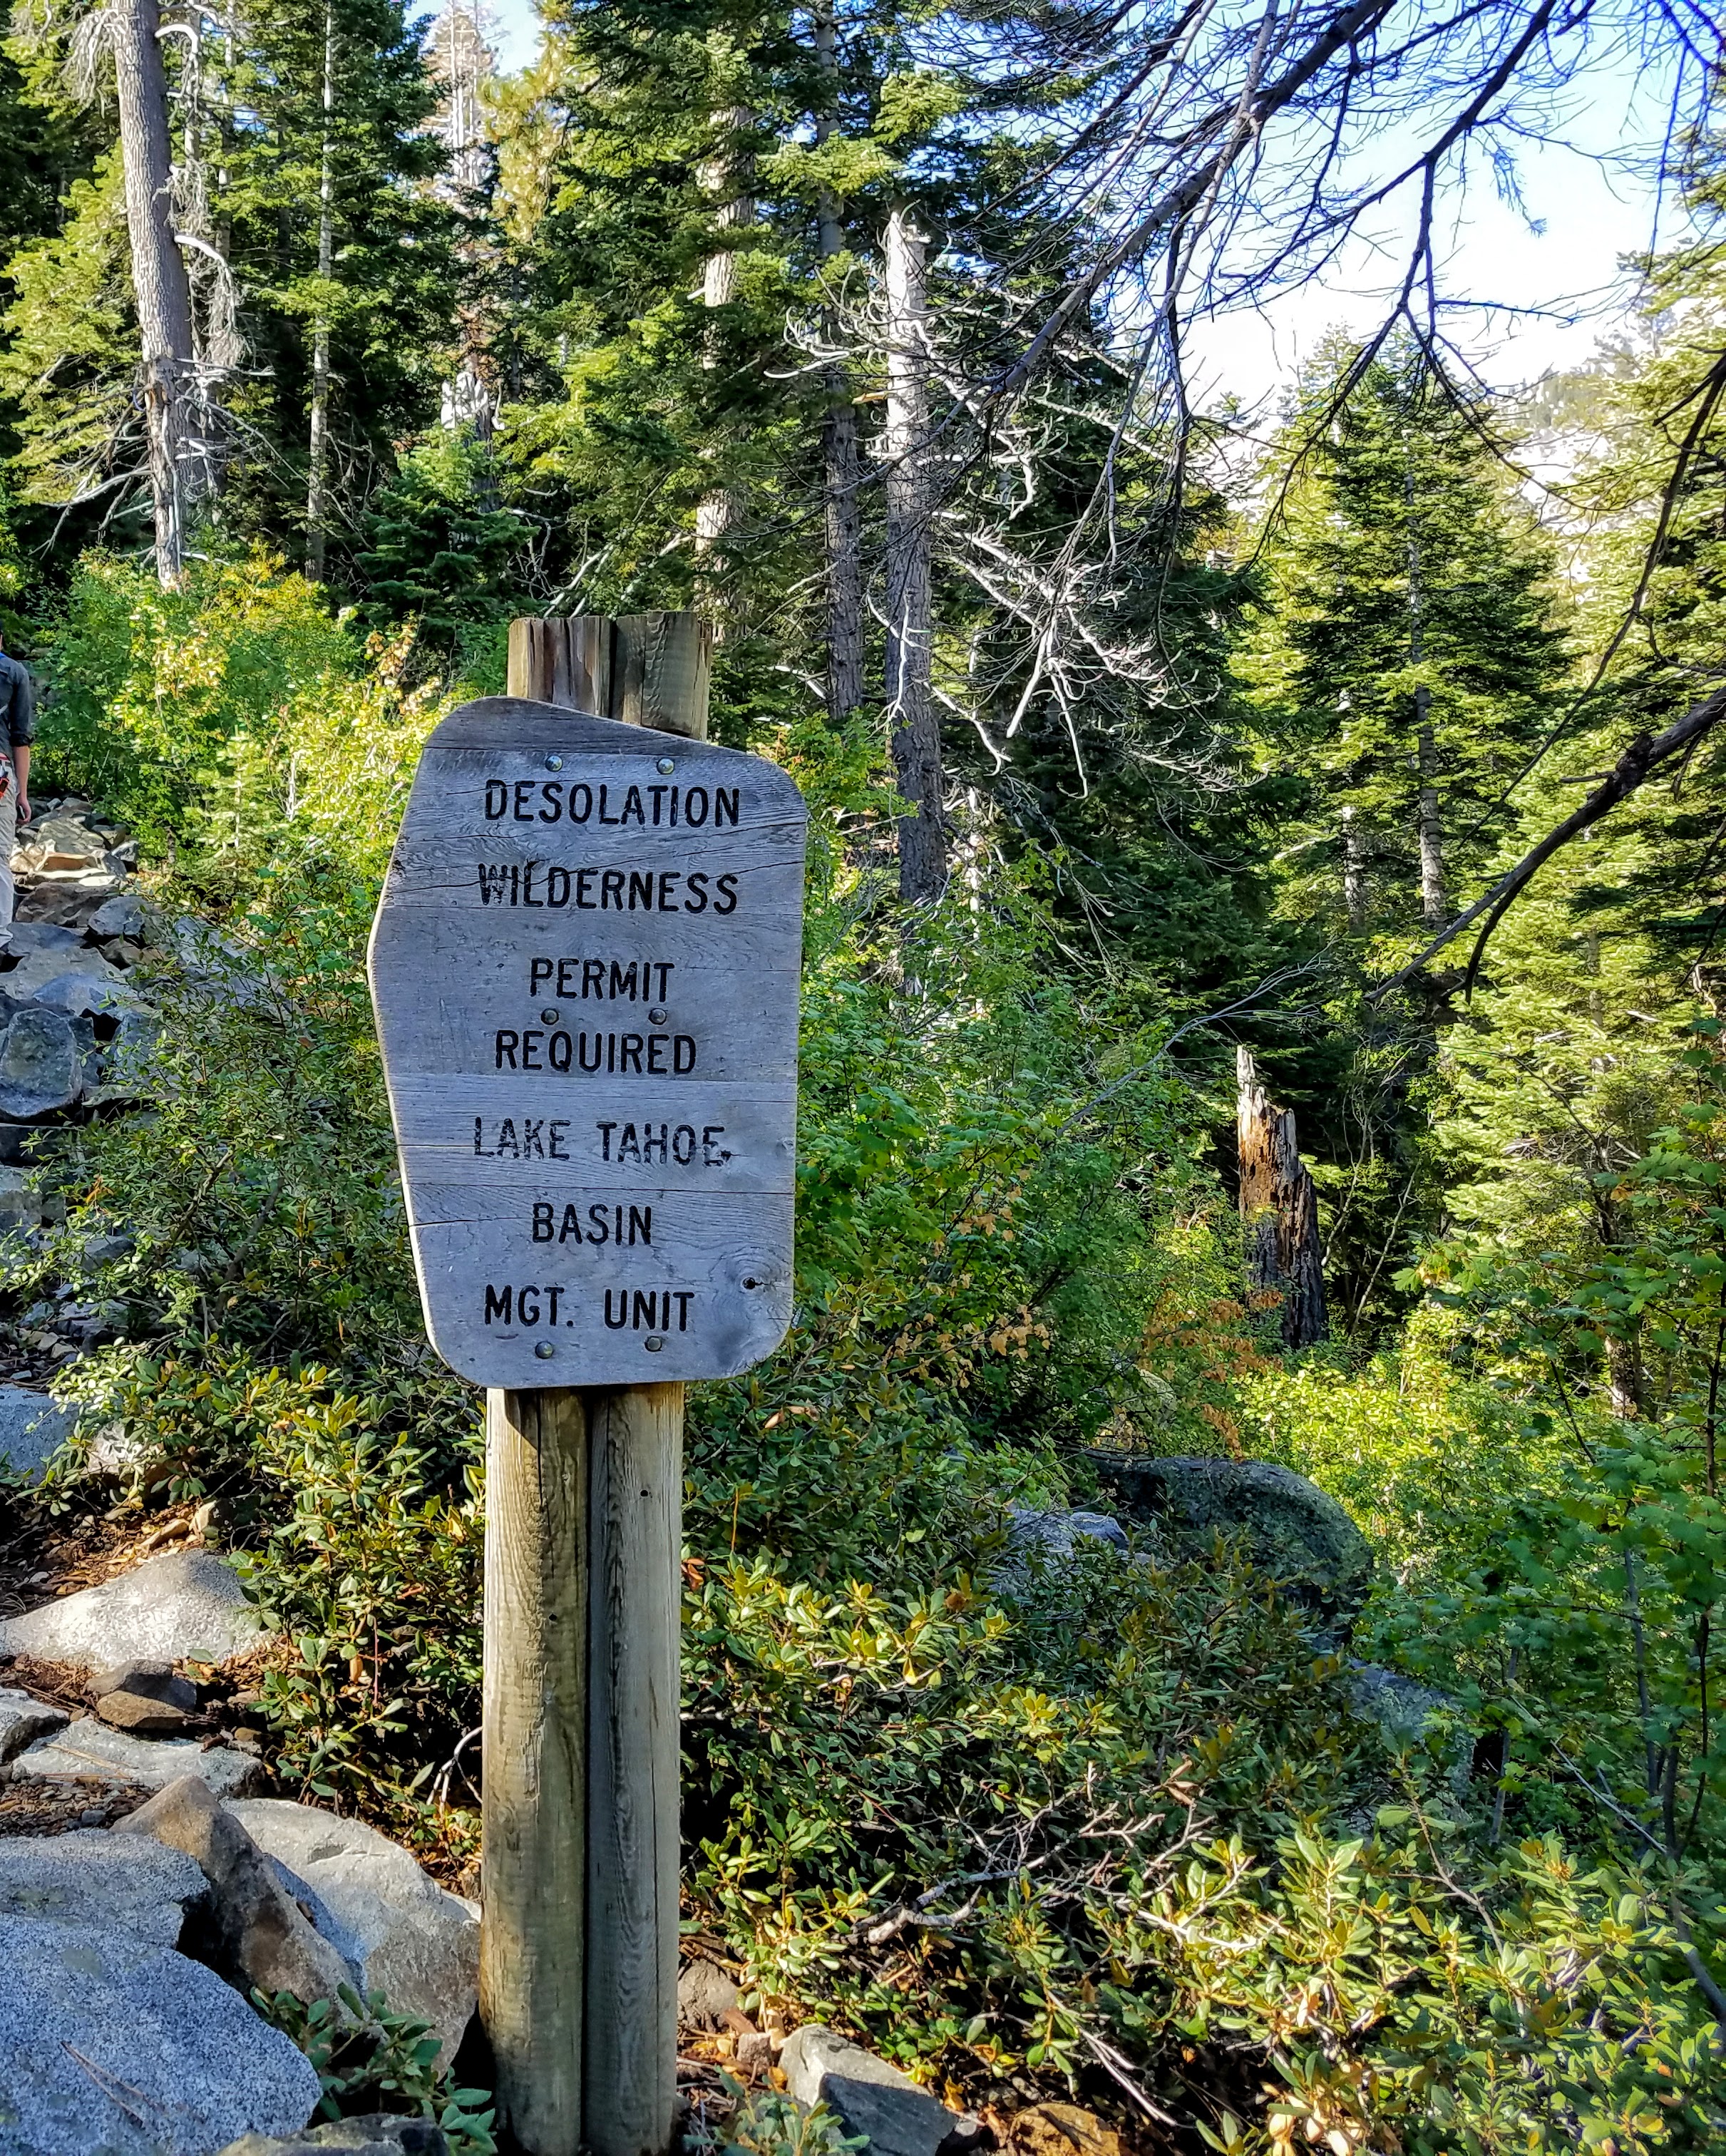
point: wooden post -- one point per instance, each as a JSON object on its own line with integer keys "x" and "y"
{"x": 578, "y": 1949}
{"x": 1279, "y": 1208}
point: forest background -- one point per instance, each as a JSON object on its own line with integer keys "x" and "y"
{"x": 1134, "y": 735}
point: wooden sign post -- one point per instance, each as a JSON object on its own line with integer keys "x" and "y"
{"x": 585, "y": 969}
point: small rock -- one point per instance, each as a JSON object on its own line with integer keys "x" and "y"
{"x": 144, "y": 1717}
{"x": 187, "y": 1606}
{"x": 96, "y": 1881}
{"x": 33, "y": 1428}
{"x": 388, "y": 1919}
{"x": 258, "y": 1933}
{"x": 90, "y": 1751}
{"x": 118, "y": 916}
{"x": 377, "y": 2130}
{"x": 1062, "y": 2129}
{"x": 1294, "y": 1532}
{"x": 21, "y": 1204}
{"x": 149, "y": 1680}
{"x": 1053, "y": 1534}
{"x": 79, "y": 993}
{"x": 40, "y": 1067}
{"x": 705, "y": 1994}
{"x": 1410, "y": 1715}
{"x": 872, "y": 2099}
{"x": 26, "y": 982}
{"x": 110, "y": 2044}
{"x": 23, "y": 1720}
{"x": 21, "y": 938}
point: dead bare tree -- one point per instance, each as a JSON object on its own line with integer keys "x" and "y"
{"x": 1279, "y": 1209}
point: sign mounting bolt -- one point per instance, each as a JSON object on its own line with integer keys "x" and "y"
{"x": 664, "y": 766}
{"x": 548, "y": 1018}
{"x": 656, "y": 1017}
{"x": 544, "y": 1350}
{"x": 653, "y": 1342}
{"x": 554, "y": 764}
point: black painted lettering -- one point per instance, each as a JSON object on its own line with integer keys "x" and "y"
{"x": 507, "y": 1141}
{"x": 649, "y": 1141}
{"x": 603, "y": 817}
{"x": 581, "y": 1050}
{"x": 554, "y": 1137}
{"x": 641, "y": 890}
{"x": 665, "y": 968}
{"x": 629, "y": 1046}
{"x": 727, "y": 902}
{"x": 571, "y": 1225}
{"x": 696, "y": 902}
{"x": 605, "y": 1131}
{"x": 538, "y": 970}
{"x": 479, "y": 1149}
{"x": 561, "y": 1048}
{"x": 580, "y": 814}
{"x": 632, "y": 807}
{"x": 554, "y": 1292}
{"x": 524, "y": 787}
{"x": 530, "y": 1049}
{"x": 497, "y": 1305}
{"x": 507, "y": 1044}
{"x": 648, "y": 1302}
{"x": 583, "y": 877}
{"x": 526, "y": 1313}
{"x": 685, "y": 1295}
{"x": 611, "y": 886}
{"x": 593, "y": 978}
{"x": 658, "y": 800}
{"x": 542, "y": 1229}
{"x": 600, "y": 1230}
{"x": 683, "y": 1144}
{"x": 497, "y": 800}
{"x": 557, "y": 887}
{"x": 695, "y": 806}
{"x": 494, "y": 877}
{"x": 655, "y": 1056}
{"x": 532, "y": 1144}
{"x": 725, "y": 806}
{"x": 668, "y": 897}
{"x": 641, "y": 1223}
{"x": 713, "y": 1156}
{"x": 623, "y": 980}
{"x": 683, "y": 1054}
{"x": 552, "y": 794}
{"x": 527, "y": 897}
{"x": 629, "y": 1146}
{"x": 623, "y": 1309}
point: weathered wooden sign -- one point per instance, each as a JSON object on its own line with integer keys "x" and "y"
{"x": 585, "y": 971}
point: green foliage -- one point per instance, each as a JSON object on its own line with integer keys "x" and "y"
{"x": 369, "y": 2059}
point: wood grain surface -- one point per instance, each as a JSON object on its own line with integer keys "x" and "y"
{"x": 581, "y": 1008}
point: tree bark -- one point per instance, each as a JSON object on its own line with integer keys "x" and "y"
{"x": 1354, "y": 872}
{"x": 1429, "y": 830}
{"x": 916, "y": 734}
{"x": 841, "y": 458}
{"x": 317, "y": 462}
{"x": 1279, "y": 1209}
{"x": 160, "y": 285}
{"x": 721, "y": 510}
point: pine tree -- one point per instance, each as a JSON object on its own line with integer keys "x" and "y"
{"x": 1407, "y": 652}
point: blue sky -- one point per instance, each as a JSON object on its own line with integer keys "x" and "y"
{"x": 1556, "y": 257}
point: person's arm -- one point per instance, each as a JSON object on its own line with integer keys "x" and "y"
{"x": 21, "y": 765}
{"x": 23, "y": 731}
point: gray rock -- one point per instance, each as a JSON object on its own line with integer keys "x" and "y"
{"x": 33, "y": 1428}
{"x": 186, "y": 1607}
{"x": 1292, "y": 1530}
{"x": 79, "y": 995}
{"x": 40, "y": 1067}
{"x": 22, "y": 938}
{"x": 29, "y": 980}
{"x": 1411, "y": 1715}
{"x": 21, "y": 1204}
{"x": 23, "y": 1145}
{"x": 871, "y": 2097}
{"x": 257, "y": 1933}
{"x": 93, "y": 1882}
{"x": 147, "y": 1681}
{"x": 704, "y": 1994}
{"x": 90, "y": 1751}
{"x": 1054, "y": 1534}
{"x": 111, "y": 2046}
{"x": 393, "y": 1925}
{"x": 379, "y": 2131}
{"x": 23, "y": 1720}
{"x": 117, "y": 916}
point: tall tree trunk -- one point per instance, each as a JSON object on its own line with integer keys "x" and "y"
{"x": 317, "y": 470}
{"x": 841, "y": 457}
{"x": 160, "y": 285}
{"x": 1433, "y": 909}
{"x": 721, "y": 510}
{"x": 1354, "y": 872}
{"x": 910, "y": 497}
{"x": 1279, "y": 1209}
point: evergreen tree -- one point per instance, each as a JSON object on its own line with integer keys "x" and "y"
{"x": 1407, "y": 655}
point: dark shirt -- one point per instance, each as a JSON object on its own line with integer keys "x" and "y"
{"x": 17, "y": 701}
